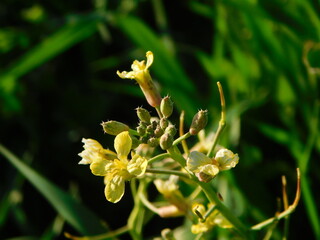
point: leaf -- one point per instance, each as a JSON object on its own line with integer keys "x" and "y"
{"x": 81, "y": 218}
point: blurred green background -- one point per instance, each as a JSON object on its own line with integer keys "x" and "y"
{"x": 58, "y": 82}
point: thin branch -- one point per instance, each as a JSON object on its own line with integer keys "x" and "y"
{"x": 222, "y": 122}
{"x": 286, "y": 212}
{"x": 181, "y": 133}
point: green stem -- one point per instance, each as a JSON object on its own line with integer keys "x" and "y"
{"x": 169, "y": 172}
{"x": 147, "y": 203}
{"x": 111, "y": 234}
{"x": 158, "y": 157}
{"x": 212, "y": 196}
{"x": 222, "y": 122}
{"x": 180, "y": 139}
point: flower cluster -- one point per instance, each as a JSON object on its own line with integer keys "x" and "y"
{"x": 158, "y": 134}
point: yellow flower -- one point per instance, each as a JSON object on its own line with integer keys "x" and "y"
{"x": 214, "y": 219}
{"x": 115, "y": 167}
{"x": 204, "y": 167}
{"x": 140, "y": 72}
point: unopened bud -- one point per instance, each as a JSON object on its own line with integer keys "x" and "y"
{"x": 166, "y": 141}
{"x": 158, "y": 132}
{"x": 199, "y": 122}
{"x": 153, "y": 142}
{"x": 114, "y": 127}
{"x": 166, "y": 106}
{"x": 171, "y": 130}
{"x": 164, "y": 123}
{"x": 141, "y": 129}
{"x": 143, "y": 115}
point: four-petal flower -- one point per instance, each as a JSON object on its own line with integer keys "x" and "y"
{"x": 115, "y": 167}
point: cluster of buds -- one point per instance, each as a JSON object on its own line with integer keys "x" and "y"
{"x": 155, "y": 131}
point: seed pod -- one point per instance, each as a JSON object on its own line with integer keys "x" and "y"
{"x": 166, "y": 141}
{"x": 143, "y": 115}
{"x": 199, "y": 122}
{"x": 166, "y": 106}
{"x": 114, "y": 127}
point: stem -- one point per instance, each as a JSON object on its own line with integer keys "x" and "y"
{"x": 158, "y": 157}
{"x": 286, "y": 212}
{"x": 180, "y": 139}
{"x": 159, "y": 112}
{"x": 147, "y": 203}
{"x": 176, "y": 155}
{"x": 111, "y": 234}
{"x": 222, "y": 122}
{"x": 181, "y": 133}
{"x": 169, "y": 172}
{"x": 208, "y": 213}
{"x": 212, "y": 196}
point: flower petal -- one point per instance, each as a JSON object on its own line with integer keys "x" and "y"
{"x": 137, "y": 165}
{"x": 92, "y": 151}
{"x": 197, "y": 159}
{"x": 209, "y": 169}
{"x": 122, "y": 145}
{"x": 149, "y": 59}
{"x": 226, "y": 159}
{"x": 102, "y": 167}
{"x": 114, "y": 189}
{"x": 125, "y": 74}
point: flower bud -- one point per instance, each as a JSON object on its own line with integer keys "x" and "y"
{"x": 171, "y": 130}
{"x": 199, "y": 122}
{"x": 114, "y": 127}
{"x": 164, "y": 123}
{"x": 166, "y": 106}
{"x": 143, "y": 115}
{"x": 158, "y": 132}
{"x": 153, "y": 142}
{"x": 141, "y": 129}
{"x": 166, "y": 141}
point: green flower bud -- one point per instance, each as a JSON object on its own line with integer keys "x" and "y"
{"x": 166, "y": 106}
{"x": 150, "y": 129}
{"x": 143, "y": 114}
{"x": 166, "y": 141}
{"x": 114, "y": 127}
{"x": 164, "y": 123}
{"x": 171, "y": 130}
{"x": 144, "y": 139}
{"x": 153, "y": 142}
{"x": 199, "y": 122}
{"x": 141, "y": 129}
{"x": 158, "y": 132}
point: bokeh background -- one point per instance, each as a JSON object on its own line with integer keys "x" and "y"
{"x": 58, "y": 81}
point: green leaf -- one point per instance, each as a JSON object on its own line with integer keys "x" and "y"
{"x": 66, "y": 37}
{"x": 82, "y": 219}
